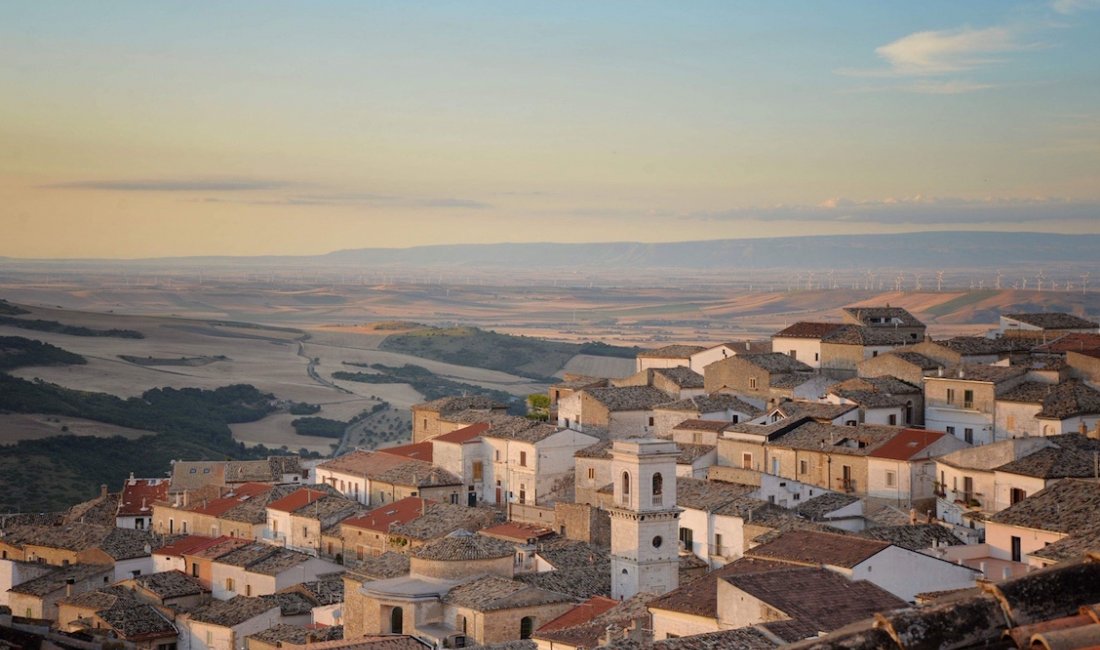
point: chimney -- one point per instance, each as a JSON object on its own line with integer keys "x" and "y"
{"x": 1095, "y": 433}
{"x": 912, "y": 516}
{"x": 69, "y": 587}
{"x": 103, "y": 491}
{"x": 1083, "y": 428}
{"x": 939, "y": 371}
{"x": 962, "y": 374}
{"x": 423, "y": 507}
{"x": 186, "y": 499}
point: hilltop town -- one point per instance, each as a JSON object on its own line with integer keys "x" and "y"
{"x": 847, "y": 484}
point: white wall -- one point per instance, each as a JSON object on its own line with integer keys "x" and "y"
{"x": 193, "y": 633}
{"x": 675, "y": 624}
{"x": 124, "y": 568}
{"x": 808, "y": 351}
{"x": 350, "y": 485}
{"x": 13, "y": 572}
{"x": 906, "y": 573}
{"x": 939, "y": 418}
{"x": 641, "y": 363}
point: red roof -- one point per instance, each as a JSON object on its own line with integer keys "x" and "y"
{"x": 139, "y": 494}
{"x": 188, "y": 544}
{"x": 907, "y": 444}
{"x": 297, "y": 500}
{"x": 465, "y": 434}
{"x": 581, "y": 614}
{"x": 417, "y": 451}
{"x": 380, "y": 518}
{"x": 218, "y": 547}
{"x": 239, "y": 494}
{"x": 1076, "y": 342}
{"x": 516, "y": 532}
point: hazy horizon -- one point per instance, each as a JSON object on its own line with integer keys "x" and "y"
{"x": 136, "y": 130}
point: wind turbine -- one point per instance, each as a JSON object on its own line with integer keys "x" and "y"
{"x": 1039, "y": 280}
{"x": 999, "y": 276}
{"x": 1084, "y": 282}
{"x": 939, "y": 280}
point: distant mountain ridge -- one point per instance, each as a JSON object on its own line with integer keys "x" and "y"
{"x": 907, "y": 250}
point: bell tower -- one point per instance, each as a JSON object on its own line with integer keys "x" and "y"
{"x": 644, "y": 518}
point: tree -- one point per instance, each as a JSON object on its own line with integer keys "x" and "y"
{"x": 538, "y": 406}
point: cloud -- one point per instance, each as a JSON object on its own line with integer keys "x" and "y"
{"x": 174, "y": 185}
{"x": 345, "y": 199}
{"x": 941, "y": 52}
{"x": 920, "y": 210}
{"x": 953, "y": 87}
{"x": 1066, "y": 7}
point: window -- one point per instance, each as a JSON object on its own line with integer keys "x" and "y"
{"x": 793, "y": 354}
{"x": 248, "y": 590}
{"x": 424, "y": 423}
{"x": 950, "y": 430}
{"x": 454, "y": 498}
{"x": 591, "y": 473}
{"x": 526, "y": 626}
{"x": 874, "y": 353}
{"x": 305, "y": 531}
{"x": 522, "y": 494}
{"x": 817, "y": 357}
{"x": 626, "y": 488}
{"x": 968, "y": 487}
{"x": 460, "y": 623}
{"x": 229, "y": 584}
{"x": 194, "y": 569}
{"x": 496, "y": 455}
{"x": 752, "y": 382}
{"x": 651, "y": 420}
{"x": 183, "y": 526}
{"x": 746, "y": 460}
{"x": 968, "y": 435}
{"x": 1010, "y": 423}
{"x": 950, "y": 395}
{"x": 891, "y": 479}
{"x": 893, "y": 419}
{"x": 397, "y": 622}
{"x": 209, "y": 638}
{"x": 685, "y": 538}
{"x": 1017, "y": 495}
{"x": 523, "y": 459}
{"x": 478, "y": 470}
{"x": 658, "y": 488}
{"x": 803, "y": 467}
{"x": 1016, "y": 550}
{"x": 734, "y": 418}
{"x": 717, "y": 544}
{"x": 968, "y": 399}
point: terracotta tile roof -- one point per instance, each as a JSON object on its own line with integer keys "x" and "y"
{"x": 291, "y": 603}
{"x": 858, "y": 440}
{"x": 744, "y": 347}
{"x": 57, "y": 579}
{"x": 628, "y": 398}
{"x": 671, "y": 352}
{"x": 579, "y": 382}
{"x": 775, "y": 362}
{"x": 463, "y": 545}
{"x": 220, "y": 506}
{"x": 691, "y": 453}
{"x": 809, "y": 547}
{"x": 297, "y": 500}
{"x": 381, "y": 567}
{"x": 580, "y": 583}
{"x": 441, "y": 519}
{"x": 1070, "y": 399}
{"x": 885, "y": 317}
{"x": 981, "y": 346}
{"x": 807, "y": 330}
{"x": 327, "y": 590}
{"x": 700, "y": 425}
{"x": 417, "y": 473}
{"x": 745, "y": 638}
{"x": 601, "y": 449}
{"x": 824, "y": 504}
{"x": 1066, "y": 456}
{"x": 516, "y": 532}
{"x": 138, "y": 622}
{"x": 185, "y": 544}
{"x": 914, "y": 358}
{"x": 572, "y": 554}
{"x": 581, "y": 614}
{"x": 866, "y": 336}
{"x": 1068, "y": 506}
{"x": 699, "y": 494}
{"x": 820, "y": 599}
{"x": 380, "y": 518}
{"x": 681, "y": 376}
{"x": 416, "y": 451}
{"x": 457, "y": 403}
{"x": 907, "y": 444}
{"x": 700, "y": 596}
{"x": 362, "y": 463}
{"x": 298, "y": 634}
{"x": 1053, "y": 320}
{"x": 718, "y": 402}
{"x": 916, "y": 537}
{"x": 1072, "y": 342}
{"x": 493, "y": 593}
{"x": 139, "y": 495}
{"x": 170, "y": 584}
{"x": 233, "y": 612}
{"x": 103, "y": 598}
{"x": 533, "y": 431}
{"x": 465, "y": 434}
{"x": 220, "y": 547}
{"x": 593, "y": 627}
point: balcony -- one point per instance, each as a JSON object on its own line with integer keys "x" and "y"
{"x": 657, "y": 500}
{"x": 846, "y": 484}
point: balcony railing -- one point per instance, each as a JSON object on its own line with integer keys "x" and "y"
{"x": 847, "y": 484}
{"x": 657, "y": 499}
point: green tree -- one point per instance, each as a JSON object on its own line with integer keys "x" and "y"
{"x": 538, "y": 406}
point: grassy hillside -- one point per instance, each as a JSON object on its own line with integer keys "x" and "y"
{"x": 519, "y": 355}
{"x": 17, "y": 352}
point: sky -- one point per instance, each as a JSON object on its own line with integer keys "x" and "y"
{"x": 148, "y": 129}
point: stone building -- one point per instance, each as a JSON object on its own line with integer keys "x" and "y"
{"x": 700, "y": 360}
{"x": 620, "y": 412}
{"x": 721, "y": 407}
{"x": 758, "y": 376}
{"x": 1045, "y": 326}
{"x": 426, "y": 416}
{"x": 963, "y": 400}
{"x": 669, "y": 356}
{"x": 843, "y": 349}
{"x": 222, "y": 625}
{"x": 881, "y": 400}
{"x": 802, "y": 341}
{"x": 678, "y": 383}
{"x": 904, "y": 365}
{"x": 893, "y": 319}
{"x": 39, "y": 597}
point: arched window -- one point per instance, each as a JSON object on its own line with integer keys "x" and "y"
{"x": 626, "y": 488}
{"x": 460, "y": 623}
{"x": 526, "y": 626}
{"x": 397, "y": 622}
{"x": 658, "y": 488}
